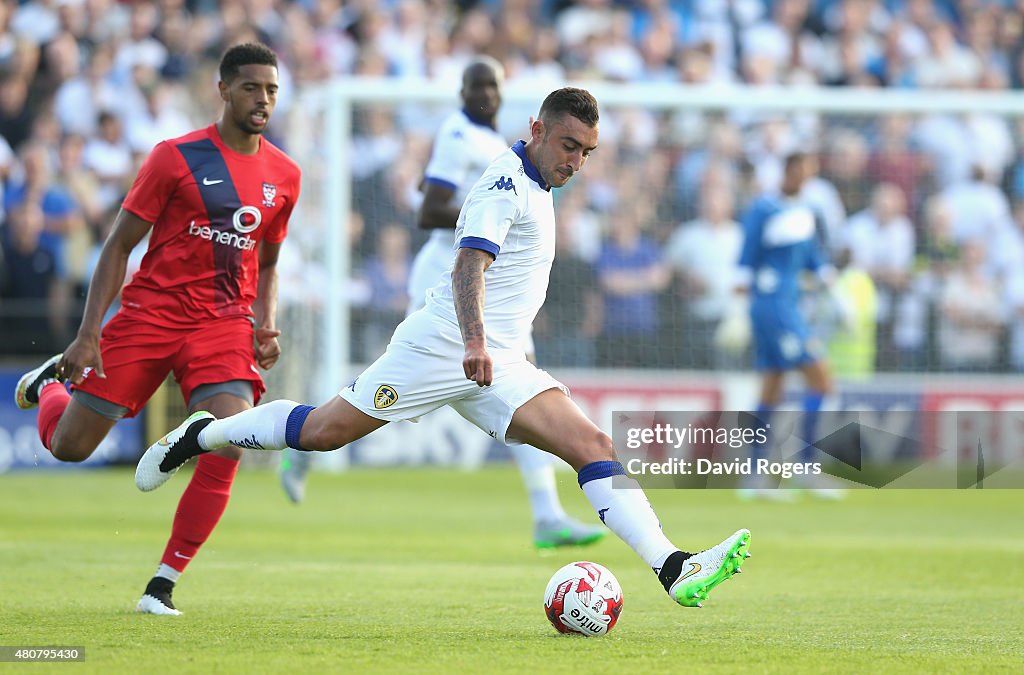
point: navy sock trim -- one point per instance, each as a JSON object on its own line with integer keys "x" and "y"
{"x": 596, "y": 470}
{"x": 296, "y": 418}
{"x": 813, "y": 400}
{"x": 760, "y": 422}
{"x": 812, "y": 406}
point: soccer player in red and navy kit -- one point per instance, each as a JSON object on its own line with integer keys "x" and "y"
{"x": 202, "y": 305}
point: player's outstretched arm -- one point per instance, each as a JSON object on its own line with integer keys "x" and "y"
{"x": 468, "y": 291}
{"x": 84, "y": 351}
{"x": 268, "y": 349}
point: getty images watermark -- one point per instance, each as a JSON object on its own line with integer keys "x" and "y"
{"x": 663, "y": 435}
{"x": 895, "y": 449}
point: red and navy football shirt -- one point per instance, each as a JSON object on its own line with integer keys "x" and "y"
{"x": 210, "y": 207}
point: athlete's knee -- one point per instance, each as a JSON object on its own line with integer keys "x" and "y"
{"x": 593, "y": 446}
{"x": 70, "y": 450}
{"x": 321, "y": 434}
{"x": 319, "y": 442}
{"x": 335, "y": 424}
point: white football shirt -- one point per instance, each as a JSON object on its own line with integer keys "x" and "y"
{"x": 462, "y": 151}
{"x": 509, "y": 213}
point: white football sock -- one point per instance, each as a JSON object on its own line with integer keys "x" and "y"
{"x": 627, "y": 513}
{"x": 167, "y": 572}
{"x": 538, "y": 471}
{"x": 263, "y": 427}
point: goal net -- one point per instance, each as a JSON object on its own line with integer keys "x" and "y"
{"x": 919, "y": 194}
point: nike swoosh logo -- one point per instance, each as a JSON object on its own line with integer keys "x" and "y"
{"x": 207, "y": 181}
{"x": 694, "y": 568}
{"x": 183, "y": 557}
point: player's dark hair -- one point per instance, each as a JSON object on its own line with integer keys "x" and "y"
{"x": 794, "y": 158}
{"x": 250, "y": 53}
{"x": 570, "y": 101}
{"x": 480, "y": 63}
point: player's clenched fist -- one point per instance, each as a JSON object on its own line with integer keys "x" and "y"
{"x": 268, "y": 349}
{"x": 477, "y": 365}
{"x": 81, "y": 354}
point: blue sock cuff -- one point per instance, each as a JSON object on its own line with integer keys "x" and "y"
{"x": 761, "y": 416}
{"x": 813, "y": 401}
{"x": 812, "y": 406}
{"x": 296, "y": 418}
{"x": 596, "y": 470}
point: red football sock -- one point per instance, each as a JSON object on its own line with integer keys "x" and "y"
{"x": 53, "y": 401}
{"x": 200, "y": 508}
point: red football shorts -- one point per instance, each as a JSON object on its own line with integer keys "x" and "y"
{"x": 138, "y": 355}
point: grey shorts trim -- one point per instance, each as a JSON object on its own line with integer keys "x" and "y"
{"x": 238, "y": 388}
{"x": 100, "y": 406}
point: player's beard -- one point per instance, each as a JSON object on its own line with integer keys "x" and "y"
{"x": 561, "y": 177}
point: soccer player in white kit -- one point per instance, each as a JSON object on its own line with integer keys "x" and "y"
{"x": 465, "y": 145}
{"x": 464, "y": 349}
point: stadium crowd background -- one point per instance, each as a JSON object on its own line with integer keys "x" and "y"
{"x": 929, "y": 209}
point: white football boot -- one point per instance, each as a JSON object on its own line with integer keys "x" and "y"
{"x": 163, "y": 459}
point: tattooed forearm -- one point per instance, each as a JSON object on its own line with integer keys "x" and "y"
{"x": 468, "y": 291}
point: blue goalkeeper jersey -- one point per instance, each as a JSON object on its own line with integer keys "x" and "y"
{"x": 780, "y": 242}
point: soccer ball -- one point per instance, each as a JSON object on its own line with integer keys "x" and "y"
{"x": 583, "y": 597}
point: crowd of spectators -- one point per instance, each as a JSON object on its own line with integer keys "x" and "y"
{"x": 930, "y": 206}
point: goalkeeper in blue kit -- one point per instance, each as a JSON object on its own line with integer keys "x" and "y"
{"x": 783, "y": 240}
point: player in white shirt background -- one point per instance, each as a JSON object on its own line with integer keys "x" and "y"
{"x": 478, "y": 319}
{"x": 464, "y": 147}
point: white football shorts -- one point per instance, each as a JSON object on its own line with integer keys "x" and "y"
{"x": 422, "y": 371}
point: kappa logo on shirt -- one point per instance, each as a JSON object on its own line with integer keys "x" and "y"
{"x": 504, "y": 183}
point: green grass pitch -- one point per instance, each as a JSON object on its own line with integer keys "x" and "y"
{"x": 432, "y": 571}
